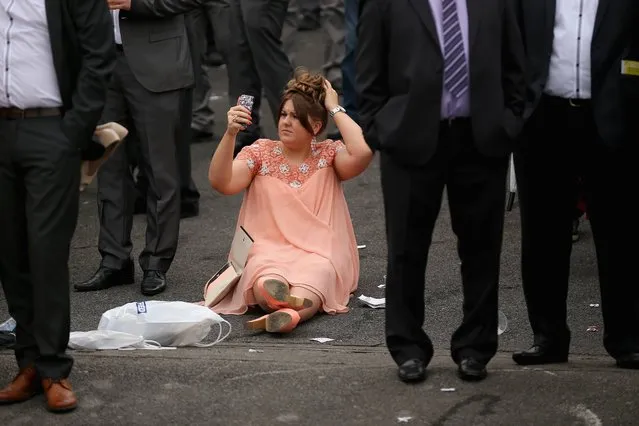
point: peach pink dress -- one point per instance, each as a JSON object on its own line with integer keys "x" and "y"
{"x": 300, "y": 224}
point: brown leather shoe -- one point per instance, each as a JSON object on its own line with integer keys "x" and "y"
{"x": 60, "y": 396}
{"x": 24, "y": 387}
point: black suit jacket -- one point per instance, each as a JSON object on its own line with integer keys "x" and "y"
{"x": 615, "y": 37}
{"x": 400, "y": 77}
{"x": 156, "y": 44}
{"x": 81, "y": 35}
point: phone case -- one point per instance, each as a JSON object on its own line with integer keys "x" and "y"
{"x": 246, "y": 101}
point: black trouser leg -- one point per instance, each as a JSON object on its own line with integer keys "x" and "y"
{"x": 39, "y": 181}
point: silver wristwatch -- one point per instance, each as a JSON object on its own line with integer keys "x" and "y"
{"x": 335, "y": 110}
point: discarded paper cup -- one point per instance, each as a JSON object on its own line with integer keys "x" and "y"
{"x": 502, "y": 324}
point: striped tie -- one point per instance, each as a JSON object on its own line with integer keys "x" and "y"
{"x": 455, "y": 72}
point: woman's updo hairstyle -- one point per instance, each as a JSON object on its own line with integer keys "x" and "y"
{"x": 307, "y": 93}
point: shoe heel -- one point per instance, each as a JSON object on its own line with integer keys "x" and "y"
{"x": 298, "y": 303}
{"x": 257, "y": 324}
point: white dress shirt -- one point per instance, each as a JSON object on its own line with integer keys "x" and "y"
{"x": 116, "y": 26}
{"x": 569, "y": 72}
{"x": 27, "y": 74}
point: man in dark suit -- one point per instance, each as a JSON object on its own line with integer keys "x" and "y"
{"x": 154, "y": 68}
{"x": 56, "y": 82}
{"x": 582, "y": 132}
{"x": 196, "y": 116}
{"x": 442, "y": 92}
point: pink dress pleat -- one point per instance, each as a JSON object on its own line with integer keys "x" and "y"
{"x": 301, "y": 226}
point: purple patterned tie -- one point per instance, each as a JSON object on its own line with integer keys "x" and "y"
{"x": 455, "y": 71}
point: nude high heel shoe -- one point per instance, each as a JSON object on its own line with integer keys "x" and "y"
{"x": 110, "y": 136}
{"x": 277, "y": 295}
{"x": 282, "y": 321}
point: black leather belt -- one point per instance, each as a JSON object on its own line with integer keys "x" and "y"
{"x": 17, "y": 113}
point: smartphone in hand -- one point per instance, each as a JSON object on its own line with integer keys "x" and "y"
{"x": 246, "y": 101}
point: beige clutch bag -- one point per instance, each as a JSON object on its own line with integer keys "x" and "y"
{"x": 227, "y": 277}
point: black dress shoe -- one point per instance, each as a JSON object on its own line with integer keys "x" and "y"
{"x": 629, "y": 361}
{"x": 188, "y": 210}
{"x": 539, "y": 354}
{"x": 471, "y": 370}
{"x": 106, "y": 277}
{"x": 154, "y": 282}
{"x": 412, "y": 370}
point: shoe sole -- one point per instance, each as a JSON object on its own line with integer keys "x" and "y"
{"x": 278, "y": 321}
{"x": 62, "y": 409}
{"x": 152, "y": 292}
{"x": 552, "y": 360}
{"x": 472, "y": 377}
{"x": 117, "y": 284}
{"x": 272, "y": 323}
{"x": 412, "y": 378}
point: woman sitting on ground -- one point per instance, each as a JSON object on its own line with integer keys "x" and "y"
{"x": 304, "y": 258}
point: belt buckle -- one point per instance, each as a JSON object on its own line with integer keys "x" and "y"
{"x": 572, "y": 103}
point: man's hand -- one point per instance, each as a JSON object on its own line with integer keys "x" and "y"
{"x": 119, "y": 4}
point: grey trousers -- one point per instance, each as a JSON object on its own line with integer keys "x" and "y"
{"x": 39, "y": 197}
{"x": 333, "y": 23}
{"x": 156, "y": 118}
{"x": 257, "y": 63}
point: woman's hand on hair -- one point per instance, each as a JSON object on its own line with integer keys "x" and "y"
{"x": 331, "y": 100}
{"x": 238, "y": 118}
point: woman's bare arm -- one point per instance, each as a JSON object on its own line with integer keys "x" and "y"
{"x": 357, "y": 156}
{"x": 226, "y": 175}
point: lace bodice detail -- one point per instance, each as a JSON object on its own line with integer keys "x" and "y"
{"x": 266, "y": 158}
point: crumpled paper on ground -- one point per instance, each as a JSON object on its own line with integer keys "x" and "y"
{"x": 373, "y": 302}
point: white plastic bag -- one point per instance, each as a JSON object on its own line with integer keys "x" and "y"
{"x": 96, "y": 340}
{"x": 167, "y": 323}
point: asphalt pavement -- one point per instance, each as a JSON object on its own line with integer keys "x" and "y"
{"x": 256, "y": 379}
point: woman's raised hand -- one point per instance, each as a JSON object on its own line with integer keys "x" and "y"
{"x": 238, "y": 118}
{"x": 331, "y": 100}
